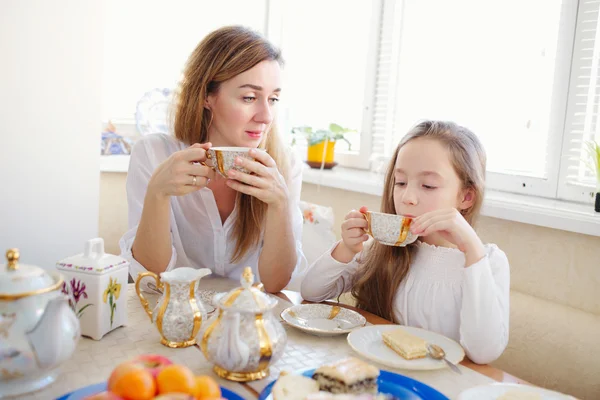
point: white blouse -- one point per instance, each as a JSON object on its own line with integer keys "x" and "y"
{"x": 199, "y": 239}
{"x": 469, "y": 305}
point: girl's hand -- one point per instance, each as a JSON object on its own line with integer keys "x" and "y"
{"x": 265, "y": 183}
{"x": 181, "y": 174}
{"x": 451, "y": 226}
{"x": 354, "y": 231}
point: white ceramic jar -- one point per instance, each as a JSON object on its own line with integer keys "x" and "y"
{"x": 97, "y": 284}
{"x": 38, "y": 329}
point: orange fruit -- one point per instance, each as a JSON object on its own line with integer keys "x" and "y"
{"x": 132, "y": 382}
{"x": 175, "y": 378}
{"x": 206, "y": 388}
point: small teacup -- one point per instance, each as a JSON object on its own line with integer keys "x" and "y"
{"x": 222, "y": 159}
{"x": 390, "y": 229}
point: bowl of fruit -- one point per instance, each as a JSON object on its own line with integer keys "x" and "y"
{"x": 153, "y": 377}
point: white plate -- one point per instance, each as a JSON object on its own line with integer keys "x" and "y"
{"x": 495, "y": 390}
{"x": 368, "y": 342}
{"x": 314, "y": 319}
{"x": 152, "y": 111}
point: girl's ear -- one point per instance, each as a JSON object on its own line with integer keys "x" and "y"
{"x": 467, "y": 199}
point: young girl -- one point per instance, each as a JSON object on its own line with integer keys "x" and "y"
{"x": 448, "y": 281}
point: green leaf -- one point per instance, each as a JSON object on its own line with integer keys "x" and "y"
{"x": 80, "y": 312}
{"x": 593, "y": 162}
{"x": 335, "y": 128}
{"x": 302, "y": 129}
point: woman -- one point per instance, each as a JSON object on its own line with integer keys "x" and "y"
{"x": 180, "y": 212}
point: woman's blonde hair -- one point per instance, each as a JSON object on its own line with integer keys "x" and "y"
{"x": 220, "y": 56}
{"x": 386, "y": 266}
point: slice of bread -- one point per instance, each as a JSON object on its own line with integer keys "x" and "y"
{"x": 407, "y": 345}
{"x": 294, "y": 387}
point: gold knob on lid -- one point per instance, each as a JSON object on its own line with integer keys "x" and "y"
{"x": 247, "y": 275}
{"x": 12, "y": 256}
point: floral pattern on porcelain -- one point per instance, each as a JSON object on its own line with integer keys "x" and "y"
{"x": 386, "y": 229}
{"x": 75, "y": 292}
{"x": 111, "y": 294}
{"x": 233, "y": 336}
{"x": 228, "y": 156}
{"x": 177, "y": 323}
{"x": 89, "y": 269}
{"x": 232, "y": 340}
{"x": 346, "y": 319}
{"x": 6, "y": 322}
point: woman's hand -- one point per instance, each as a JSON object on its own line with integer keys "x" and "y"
{"x": 264, "y": 182}
{"x": 453, "y": 227}
{"x": 181, "y": 173}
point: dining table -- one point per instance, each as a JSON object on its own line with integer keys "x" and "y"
{"x": 94, "y": 360}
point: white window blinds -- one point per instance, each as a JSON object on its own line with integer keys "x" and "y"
{"x": 499, "y": 68}
{"x": 386, "y": 78}
{"x": 582, "y": 122}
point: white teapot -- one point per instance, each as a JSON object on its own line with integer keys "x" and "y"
{"x": 38, "y": 328}
{"x": 245, "y": 338}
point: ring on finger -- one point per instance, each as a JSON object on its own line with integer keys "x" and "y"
{"x": 194, "y": 180}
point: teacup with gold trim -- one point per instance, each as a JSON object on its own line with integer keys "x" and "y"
{"x": 389, "y": 229}
{"x": 222, "y": 159}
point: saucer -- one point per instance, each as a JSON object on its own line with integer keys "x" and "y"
{"x": 317, "y": 319}
{"x": 317, "y": 164}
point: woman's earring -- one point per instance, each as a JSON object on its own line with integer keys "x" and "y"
{"x": 211, "y": 119}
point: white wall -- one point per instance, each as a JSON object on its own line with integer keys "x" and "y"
{"x": 50, "y": 100}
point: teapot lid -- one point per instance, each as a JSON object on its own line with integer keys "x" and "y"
{"x": 20, "y": 280}
{"x": 247, "y": 298}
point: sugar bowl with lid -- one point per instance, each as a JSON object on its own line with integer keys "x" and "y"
{"x": 245, "y": 337}
{"x": 97, "y": 284}
{"x": 38, "y": 328}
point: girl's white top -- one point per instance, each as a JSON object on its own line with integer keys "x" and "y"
{"x": 199, "y": 239}
{"x": 469, "y": 305}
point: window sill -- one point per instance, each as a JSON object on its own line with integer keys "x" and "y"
{"x": 114, "y": 163}
{"x": 556, "y": 214}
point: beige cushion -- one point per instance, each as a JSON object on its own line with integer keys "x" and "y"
{"x": 553, "y": 346}
{"x": 559, "y": 266}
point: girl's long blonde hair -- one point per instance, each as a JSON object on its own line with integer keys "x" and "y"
{"x": 223, "y": 54}
{"x": 385, "y": 267}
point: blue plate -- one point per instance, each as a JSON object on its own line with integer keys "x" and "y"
{"x": 82, "y": 393}
{"x": 396, "y": 385}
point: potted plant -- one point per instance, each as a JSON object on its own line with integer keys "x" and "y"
{"x": 321, "y": 144}
{"x": 593, "y": 150}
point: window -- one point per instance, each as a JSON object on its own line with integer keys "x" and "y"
{"x": 576, "y": 180}
{"x": 481, "y": 64}
{"x": 526, "y": 82}
{"x": 148, "y": 42}
{"x": 329, "y": 49}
